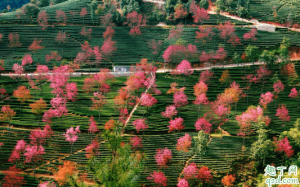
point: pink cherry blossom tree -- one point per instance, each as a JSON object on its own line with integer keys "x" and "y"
{"x": 71, "y": 136}
{"x": 61, "y": 37}
{"x": 203, "y": 124}
{"x": 61, "y": 16}
{"x": 183, "y": 183}
{"x": 82, "y": 14}
{"x": 283, "y": 114}
{"x": 93, "y": 126}
{"x": 180, "y": 99}
{"x": 27, "y": 59}
{"x": 136, "y": 142}
{"x": 199, "y": 14}
{"x": 18, "y": 151}
{"x": 86, "y": 32}
{"x": 283, "y": 145}
{"x": 163, "y": 156}
{"x": 250, "y": 35}
{"x": 147, "y": 100}
{"x": 265, "y": 99}
{"x": 98, "y": 102}
{"x": 135, "y": 20}
{"x": 43, "y": 19}
{"x": 140, "y": 124}
{"x": 278, "y": 87}
{"x": 295, "y": 95}
{"x": 34, "y": 152}
{"x": 92, "y": 149}
{"x": 185, "y": 68}
{"x": 191, "y": 171}
{"x": 176, "y": 124}
{"x": 184, "y": 143}
{"x": 158, "y": 178}
{"x": 170, "y": 112}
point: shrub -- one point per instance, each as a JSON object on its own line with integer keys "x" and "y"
{"x": 31, "y": 10}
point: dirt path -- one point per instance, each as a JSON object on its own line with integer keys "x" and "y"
{"x": 132, "y": 111}
{"x": 187, "y": 162}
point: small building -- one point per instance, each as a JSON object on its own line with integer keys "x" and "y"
{"x": 121, "y": 69}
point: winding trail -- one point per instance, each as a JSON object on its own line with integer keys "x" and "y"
{"x": 187, "y": 162}
{"x": 77, "y": 74}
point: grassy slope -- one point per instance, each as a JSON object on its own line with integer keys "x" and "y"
{"x": 220, "y": 154}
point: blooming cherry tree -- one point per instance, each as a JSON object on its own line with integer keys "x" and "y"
{"x": 136, "y": 142}
{"x": 176, "y": 124}
{"x": 283, "y": 114}
{"x": 91, "y": 149}
{"x": 184, "y": 143}
{"x": 170, "y": 112}
{"x": 158, "y": 178}
{"x": 183, "y": 183}
{"x": 163, "y": 156}
{"x": 203, "y": 124}
{"x": 140, "y": 124}
{"x": 191, "y": 171}
{"x": 265, "y": 99}
{"x": 71, "y": 135}
{"x": 284, "y": 146}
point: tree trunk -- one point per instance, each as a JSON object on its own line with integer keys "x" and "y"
{"x": 99, "y": 116}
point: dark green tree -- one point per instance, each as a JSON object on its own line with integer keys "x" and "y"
{"x": 201, "y": 141}
{"x": 268, "y": 56}
{"x": 252, "y": 53}
{"x": 260, "y": 149}
{"x": 122, "y": 167}
{"x": 204, "y": 4}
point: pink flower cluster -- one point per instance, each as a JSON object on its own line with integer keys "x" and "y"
{"x": 250, "y": 35}
{"x": 93, "y": 126}
{"x": 191, "y": 171}
{"x": 261, "y": 73}
{"x": 283, "y": 113}
{"x": 140, "y": 124}
{"x": 184, "y": 143}
{"x": 170, "y": 111}
{"x": 147, "y": 100}
{"x": 294, "y": 93}
{"x": 38, "y": 136}
{"x": 284, "y": 146}
{"x": 34, "y": 152}
{"x": 163, "y": 156}
{"x": 266, "y": 99}
{"x": 60, "y": 109}
{"x": 179, "y": 52}
{"x": 71, "y": 134}
{"x": 136, "y": 142}
{"x": 54, "y": 56}
{"x": 201, "y": 100}
{"x": 205, "y": 76}
{"x": 19, "y": 149}
{"x": 47, "y": 184}
{"x": 203, "y": 124}
{"x": 184, "y": 67}
{"x": 278, "y": 87}
{"x": 183, "y": 183}
{"x": 27, "y": 59}
{"x": 158, "y": 178}
{"x": 92, "y": 148}
{"x": 180, "y": 99}
{"x": 176, "y": 124}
